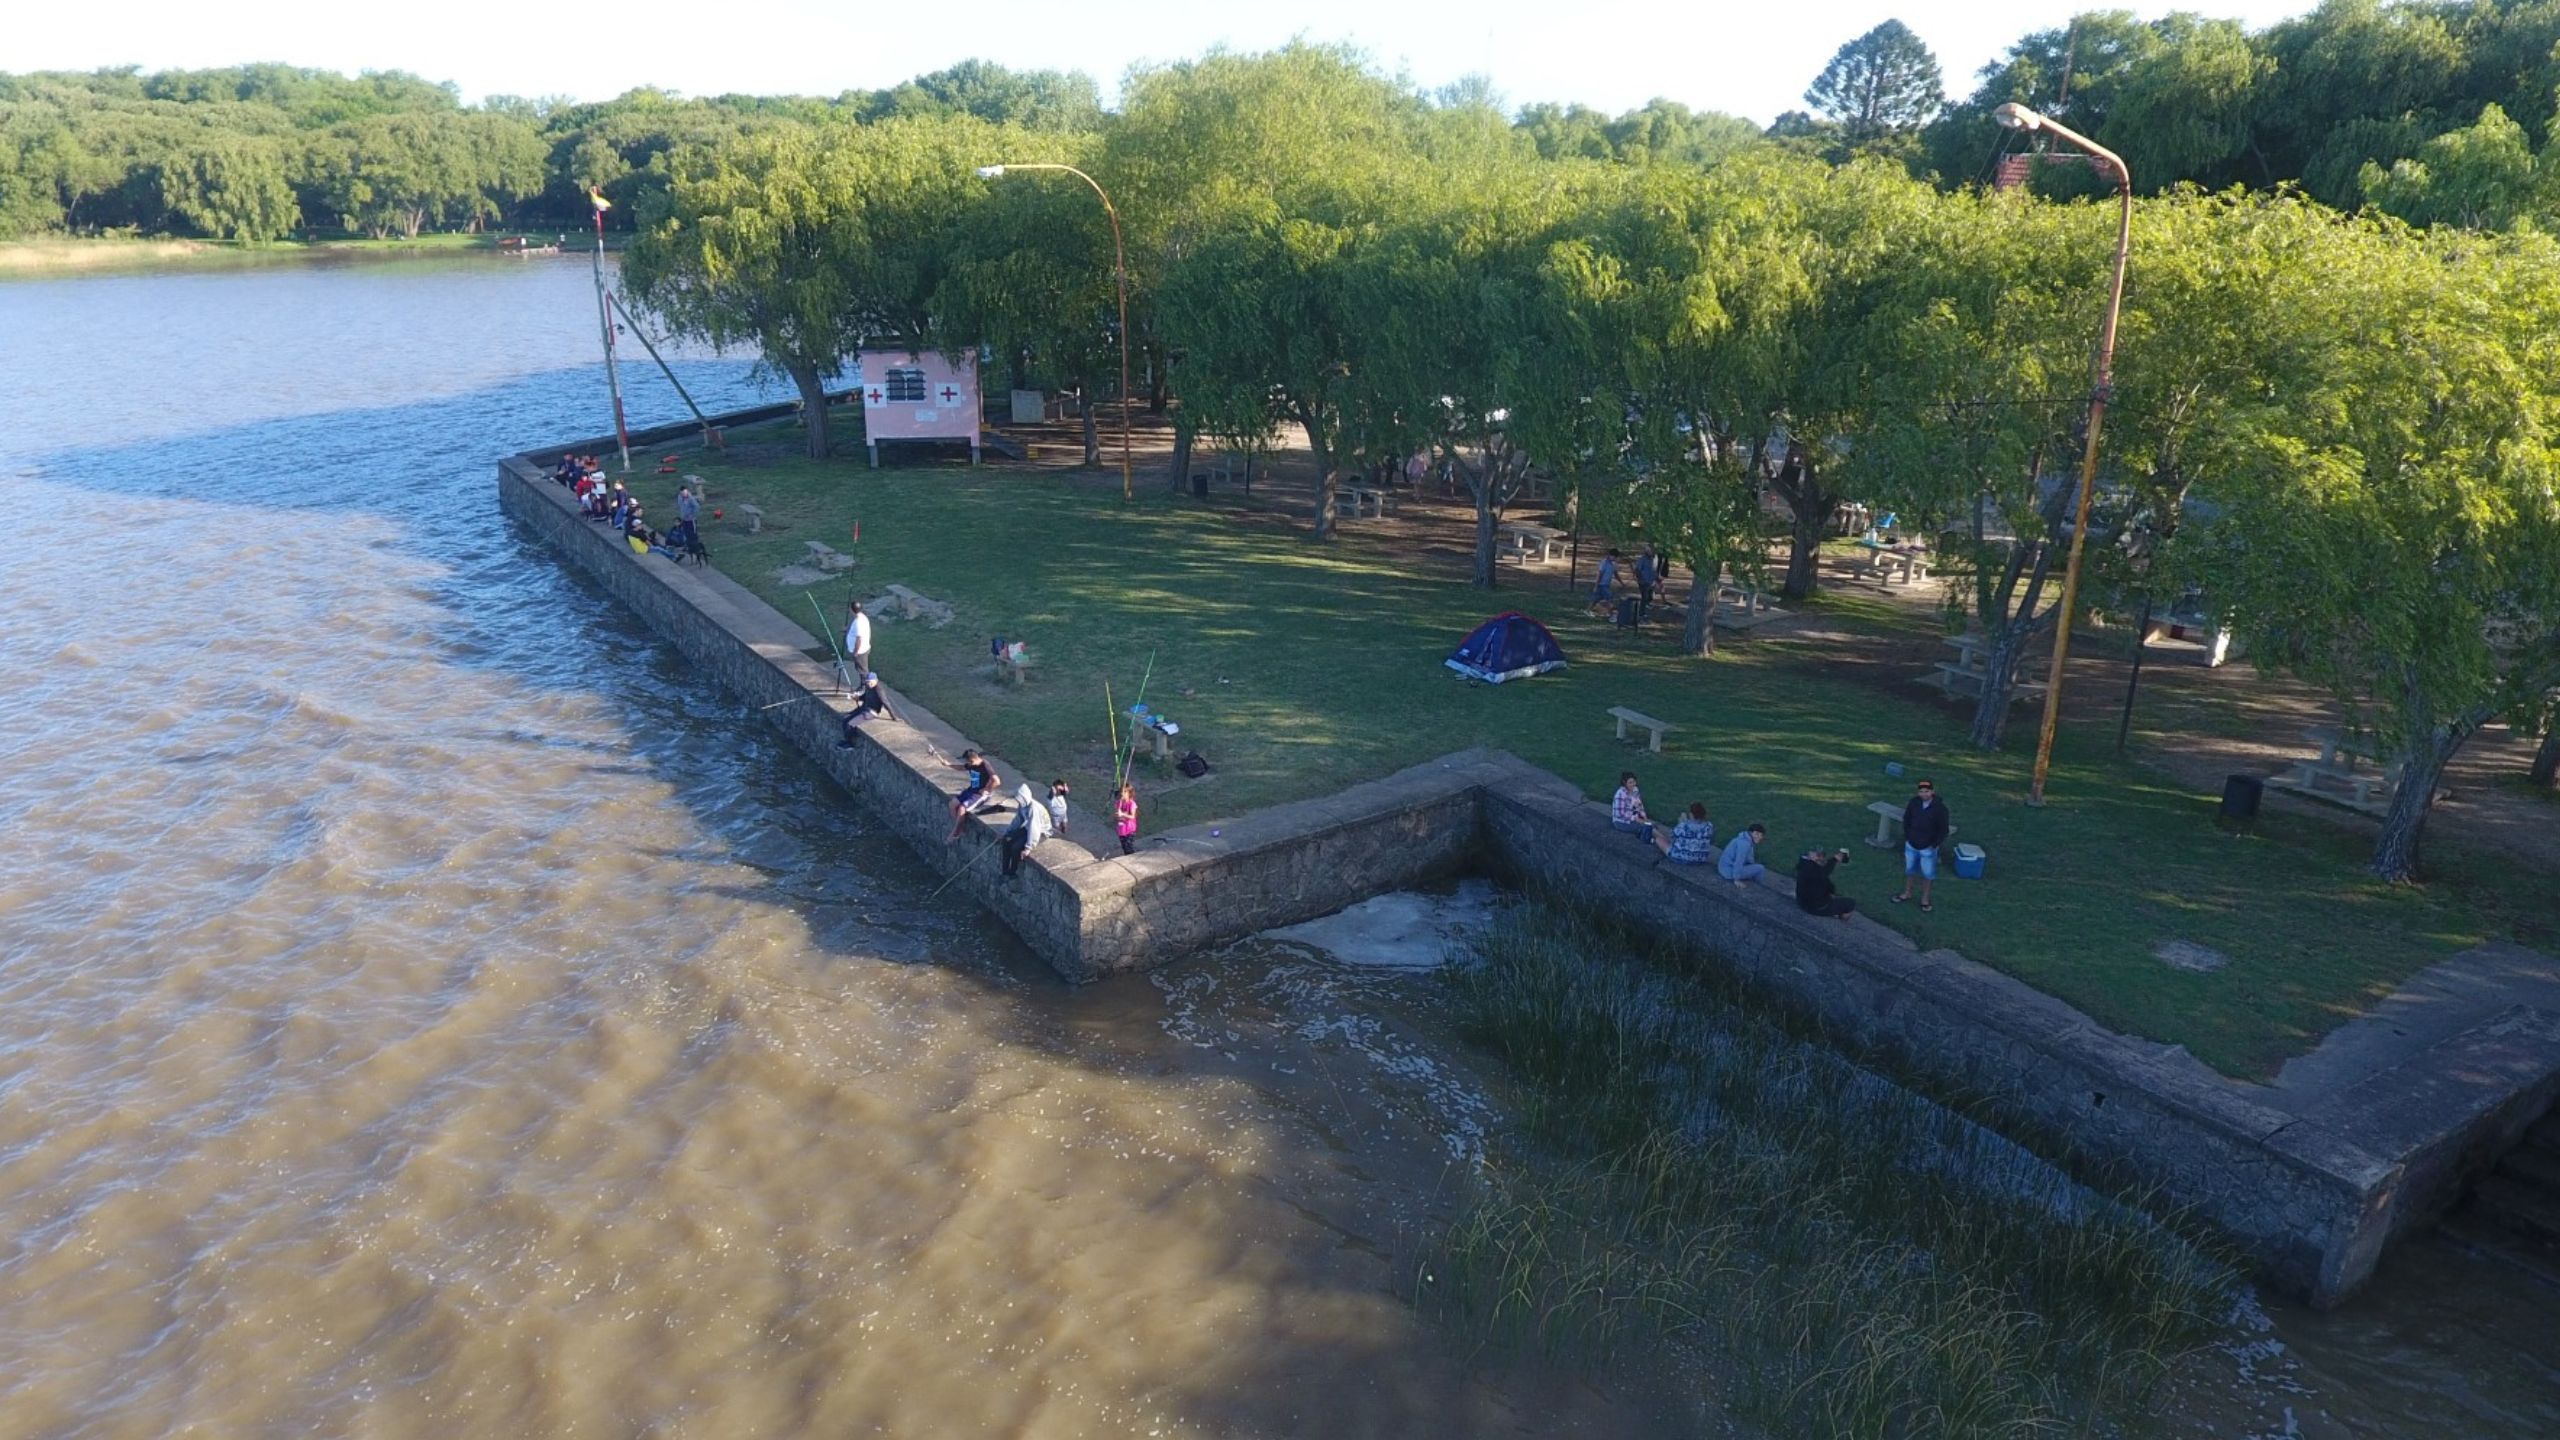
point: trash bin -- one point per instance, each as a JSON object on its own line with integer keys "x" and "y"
{"x": 2240, "y": 797}
{"x": 1971, "y": 862}
{"x": 1199, "y": 484}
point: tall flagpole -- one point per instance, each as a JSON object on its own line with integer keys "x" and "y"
{"x": 604, "y": 321}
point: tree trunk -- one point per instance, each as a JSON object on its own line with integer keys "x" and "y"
{"x": 1157, "y": 395}
{"x": 1092, "y": 436}
{"x": 1698, "y": 634}
{"x": 1488, "y": 553}
{"x": 2546, "y": 761}
{"x": 2404, "y": 824}
{"x": 1181, "y": 456}
{"x": 2548, "y": 757}
{"x": 1999, "y": 678}
{"x": 1328, "y": 479}
{"x": 813, "y": 407}
{"x": 1804, "y": 556}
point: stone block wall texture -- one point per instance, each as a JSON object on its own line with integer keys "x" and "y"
{"x": 2310, "y": 1202}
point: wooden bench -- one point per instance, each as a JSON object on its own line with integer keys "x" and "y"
{"x": 1626, "y": 717}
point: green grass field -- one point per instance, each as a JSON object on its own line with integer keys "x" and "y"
{"x": 1298, "y": 668}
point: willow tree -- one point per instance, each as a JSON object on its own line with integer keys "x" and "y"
{"x": 808, "y": 241}
{"x": 748, "y": 245}
{"x": 1248, "y": 183}
{"x": 1980, "y": 340}
{"x": 2394, "y": 533}
{"x": 1030, "y": 275}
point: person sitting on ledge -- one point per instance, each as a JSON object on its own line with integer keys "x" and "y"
{"x": 1693, "y": 840}
{"x": 1814, "y": 895}
{"x": 1740, "y": 862}
{"x": 983, "y": 781}
{"x": 1030, "y": 826}
{"x": 872, "y": 701}
{"x": 1626, "y": 808}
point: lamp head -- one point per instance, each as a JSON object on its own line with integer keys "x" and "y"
{"x": 990, "y": 172}
{"x": 2014, "y": 116}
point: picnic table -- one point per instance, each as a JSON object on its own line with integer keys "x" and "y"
{"x": 1153, "y": 731}
{"x": 1523, "y": 536}
{"x": 1357, "y": 500}
{"x": 1970, "y": 671}
{"x": 2336, "y": 774}
{"x": 1882, "y": 562}
{"x": 1739, "y": 606}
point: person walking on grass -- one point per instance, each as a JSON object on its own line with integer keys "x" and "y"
{"x": 1740, "y": 862}
{"x": 1603, "y": 589}
{"x": 1924, "y": 829}
{"x": 1648, "y": 579}
{"x": 1124, "y": 818}
{"x": 1626, "y": 808}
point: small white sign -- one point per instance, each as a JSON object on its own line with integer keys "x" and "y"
{"x": 927, "y": 417}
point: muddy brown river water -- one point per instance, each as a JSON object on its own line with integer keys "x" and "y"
{"x": 427, "y": 1010}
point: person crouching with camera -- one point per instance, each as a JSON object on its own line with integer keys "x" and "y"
{"x": 1814, "y": 892}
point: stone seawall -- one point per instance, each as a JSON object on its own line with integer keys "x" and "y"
{"x": 2309, "y": 1200}
{"x": 2309, "y": 1207}
{"x": 1088, "y": 915}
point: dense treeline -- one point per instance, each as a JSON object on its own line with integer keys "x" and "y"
{"x": 2433, "y": 110}
{"x": 260, "y": 152}
{"x": 1318, "y": 250}
{"x": 2440, "y": 110}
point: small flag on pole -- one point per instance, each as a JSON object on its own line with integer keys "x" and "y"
{"x": 602, "y": 204}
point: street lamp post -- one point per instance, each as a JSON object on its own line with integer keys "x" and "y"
{"x": 2018, "y": 117}
{"x": 1120, "y": 273}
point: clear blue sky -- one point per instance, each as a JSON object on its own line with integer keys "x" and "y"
{"x": 1752, "y": 58}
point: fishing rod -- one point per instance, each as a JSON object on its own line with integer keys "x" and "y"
{"x": 844, "y": 672}
{"x": 1143, "y": 679}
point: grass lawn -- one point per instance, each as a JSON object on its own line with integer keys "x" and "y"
{"x": 1298, "y": 668}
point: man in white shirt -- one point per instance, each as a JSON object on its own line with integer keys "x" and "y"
{"x": 857, "y": 637}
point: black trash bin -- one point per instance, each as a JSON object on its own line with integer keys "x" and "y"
{"x": 1199, "y": 484}
{"x": 2240, "y": 797}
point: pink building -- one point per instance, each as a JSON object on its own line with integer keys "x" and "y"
{"x": 918, "y": 395}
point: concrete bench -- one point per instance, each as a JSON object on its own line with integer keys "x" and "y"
{"x": 1626, "y": 717}
{"x": 1888, "y": 815}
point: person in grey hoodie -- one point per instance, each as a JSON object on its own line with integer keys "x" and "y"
{"x": 1740, "y": 862}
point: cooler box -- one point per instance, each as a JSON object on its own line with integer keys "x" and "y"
{"x": 1970, "y": 862}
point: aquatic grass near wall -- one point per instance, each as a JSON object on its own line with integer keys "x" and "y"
{"x": 1839, "y": 1256}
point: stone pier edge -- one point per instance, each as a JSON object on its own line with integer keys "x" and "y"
{"x": 2310, "y": 1204}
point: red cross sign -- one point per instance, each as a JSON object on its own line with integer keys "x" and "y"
{"x": 949, "y": 394}
{"x": 875, "y": 396}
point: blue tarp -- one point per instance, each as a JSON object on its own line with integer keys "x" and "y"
{"x": 1510, "y": 646}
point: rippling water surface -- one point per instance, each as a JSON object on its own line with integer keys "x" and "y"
{"x": 425, "y": 1009}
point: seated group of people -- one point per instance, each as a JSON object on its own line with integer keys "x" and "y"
{"x": 1692, "y": 841}
{"x": 609, "y": 502}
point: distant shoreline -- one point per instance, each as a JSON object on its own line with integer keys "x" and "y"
{"x": 60, "y": 255}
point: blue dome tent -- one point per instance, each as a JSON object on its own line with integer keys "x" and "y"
{"x": 1510, "y": 646}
